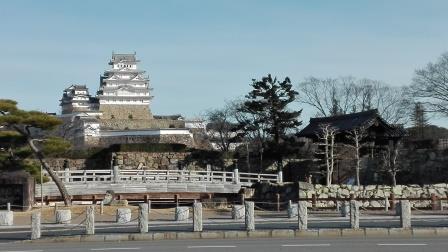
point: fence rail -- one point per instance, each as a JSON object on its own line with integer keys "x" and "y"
{"x": 142, "y": 176}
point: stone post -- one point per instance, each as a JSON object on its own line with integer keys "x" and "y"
{"x": 345, "y": 209}
{"x": 405, "y": 214}
{"x": 386, "y": 204}
{"x": 303, "y": 215}
{"x": 209, "y": 169}
{"x": 292, "y": 210}
{"x": 238, "y": 212}
{"x": 90, "y": 220}
{"x": 63, "y": 216}
{"x": 116, "y": 173}
{"x": 8, "y": 206}
{"x": 35, "y": 225}
{"x": 67, "y": 175}
{"x": 123, "y": 215}
{"x": 6, "y": 218}
{"x": 102, "y": 208}
{"x": 182, "y": 213}
{"x": 249, "y": 215}
{"x": 197, "y": 217}
{"x": 354, "y": 214}
{"x": 280, "y": 177}
{"x": 236, "y": 176}
{"x": 143, "y": 218}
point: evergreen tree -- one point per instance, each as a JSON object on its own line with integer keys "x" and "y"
{"x": 268, "y": 102}
{"x": 419, "y": 120}
{"x": 18, "y": 141}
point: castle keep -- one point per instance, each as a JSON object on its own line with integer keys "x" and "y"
{"x": 120, "y": 112}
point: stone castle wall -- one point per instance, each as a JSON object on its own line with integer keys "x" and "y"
{"x": 122, "y": 124}
{"x": 151, "y": 161}
{"x": 124, "y": 112}
{"x": 129, "y": 160}
{"x": 290, "y": 191}
{"x": 77, "y": 164}
{"x": 108, "y": 141}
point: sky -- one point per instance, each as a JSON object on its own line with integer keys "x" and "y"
{"x": 198, "y": 54}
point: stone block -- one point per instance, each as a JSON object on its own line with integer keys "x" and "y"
{"x": 354, "y": 214}
{"x": 423, "y": 232}
{"x": 197, "y": 217}
{"x": 324, "y": 232}
{"x": 238, "y": 212}
{"x": 400, "y": 232}
{"x": 6, "y": 218}
{"x": 92, "y": 238}
{"x": 353, "y": 232}
{"x": 188, "y": 235}
{"x": 90, "y": 220}
{"x": 63, "y": 216}
{"x": 116, "y": 237}
{"x": 140, "y": 237}
{"x": 302, "y": 215}
{"x": 143, "y": 218}
{"x": 405, "y": 214}
{"x": 123, "y": 215}
{"x": 249, "y": 215}
{"x": 345, "y": 209}
{"x": 259, "y": 234}
{"x": 293, "y": 210}
{"x": 235, "y": 234}
{"x": 442, "y": 232}
{"x": 35, "y": 225}
{"x": 282, "y": 233}
{"x": 212, "y": 235}
{"x": 376, "y": 232}
{"x": 181, "y": 213}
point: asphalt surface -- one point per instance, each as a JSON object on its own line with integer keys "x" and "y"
{"x": 249, "y": 245}
{"x": 14, "y": 233}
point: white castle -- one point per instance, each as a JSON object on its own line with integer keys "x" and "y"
{"x": 120, "y": 111}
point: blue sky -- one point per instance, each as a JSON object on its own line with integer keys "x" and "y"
{"x": 200, "y": 53}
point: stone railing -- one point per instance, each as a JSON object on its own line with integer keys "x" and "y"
{"x": 146, "y": 176}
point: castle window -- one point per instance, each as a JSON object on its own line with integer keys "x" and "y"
{"x": 112, "y": 117}
{"x": 130, "y": 117}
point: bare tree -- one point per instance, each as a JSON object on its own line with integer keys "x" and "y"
{"x": 357, "y": 136}
{"x": 349, "y": 95}
{"x": 326, "y": 138}
{"x": 390, "y": 161}
{"x": 430, "y": 86}
{"x": 221, "y": 127}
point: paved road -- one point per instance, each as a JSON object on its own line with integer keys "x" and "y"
{"x": 23, "y": 232}
{"x": 250, "y": 245}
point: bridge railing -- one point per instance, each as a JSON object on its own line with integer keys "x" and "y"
{"x": 129, "y": 176}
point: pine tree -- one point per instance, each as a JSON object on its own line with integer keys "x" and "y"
{"x": 19, "y": 141}
{"x": 419, "y": 120}
{"x": 268, "y": 102}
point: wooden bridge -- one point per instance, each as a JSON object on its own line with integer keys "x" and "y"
{"x": 151, "y": 184}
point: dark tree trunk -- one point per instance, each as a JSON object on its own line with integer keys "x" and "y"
{"x": 60, "y": 185}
